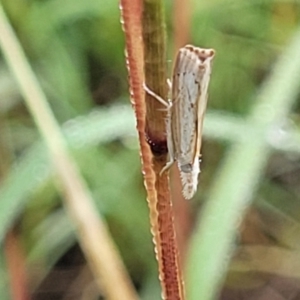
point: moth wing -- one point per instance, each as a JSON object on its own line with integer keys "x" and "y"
{"x": 205, "y": 56}
{"x": 196, "y": 67}
{"x": 184, "y": 108}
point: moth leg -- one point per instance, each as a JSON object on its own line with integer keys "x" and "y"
{"x": 168, "y": 105}
{"x": 170, "y": 150}
{"x": 167, "y": 166}
{"x": 157, "y": 97}
{"x": 169, "y": 82}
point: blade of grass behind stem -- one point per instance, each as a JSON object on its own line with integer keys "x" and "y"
{"x": 155, "y": 66}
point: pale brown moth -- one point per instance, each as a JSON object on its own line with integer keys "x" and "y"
{"x": 186, "y": 109}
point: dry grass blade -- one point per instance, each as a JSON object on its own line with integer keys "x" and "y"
{"x": 92, "y": 233}
{"x": 16, "y": 266}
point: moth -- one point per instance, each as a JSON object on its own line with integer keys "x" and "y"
{"x": 185, "y": 113}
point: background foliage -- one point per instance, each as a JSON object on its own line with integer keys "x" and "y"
{"x": 77, "y": 51}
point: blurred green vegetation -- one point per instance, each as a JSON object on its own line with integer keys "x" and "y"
{"x": 76, "y": 48}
